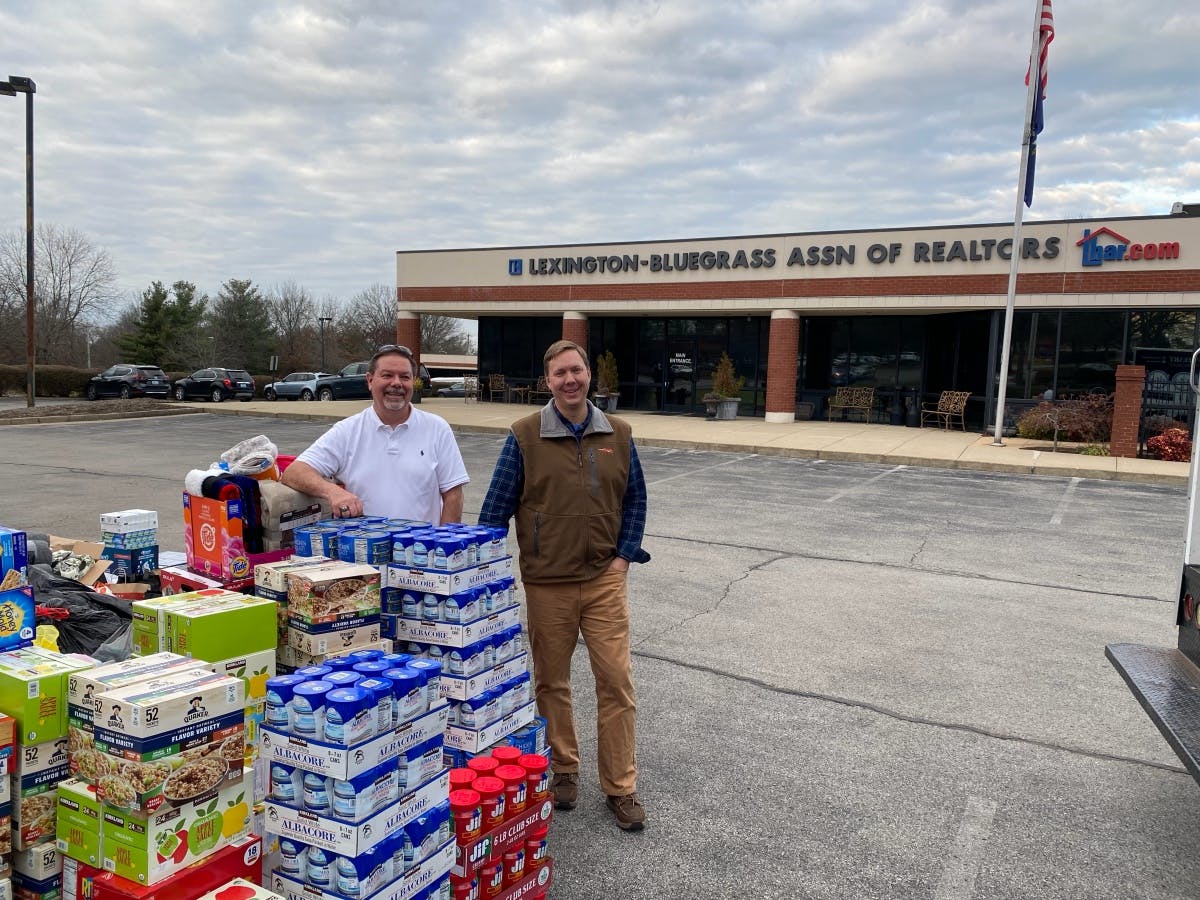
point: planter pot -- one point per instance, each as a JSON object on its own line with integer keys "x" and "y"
{"x": 727, "y": 409}
{"x": 606, "y": 402}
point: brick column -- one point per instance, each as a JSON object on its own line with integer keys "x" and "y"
{"x": 575, "y": 328}
{"x": 1127, "y": 411}
{"x": 783, "y": 347}
{"x": 408, "y": 332}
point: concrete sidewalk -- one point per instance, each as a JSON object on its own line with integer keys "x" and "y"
{"x": 815, "y": 440}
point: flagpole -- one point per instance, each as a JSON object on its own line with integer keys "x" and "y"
{"x": 1035, "y": 84}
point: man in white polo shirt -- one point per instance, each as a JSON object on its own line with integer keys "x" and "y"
{"x": 388, "y": 460}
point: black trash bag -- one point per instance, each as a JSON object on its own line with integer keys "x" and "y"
{"x": 93, "y": 619}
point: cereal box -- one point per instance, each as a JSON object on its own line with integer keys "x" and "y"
{"x": 14, "y": 558}
{"x": 16, "y": 617}
{"x": 34, "y": 803}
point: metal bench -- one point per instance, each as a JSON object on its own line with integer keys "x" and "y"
{"x": 848, "y": 398}
{"x": 950, "y": 407}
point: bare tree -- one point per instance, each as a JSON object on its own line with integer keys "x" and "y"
{"x": 294, "y": 318}
{"x": 73, "y": 284}
{"x": 368, "y": 321}
{"x": 444, "y": 334}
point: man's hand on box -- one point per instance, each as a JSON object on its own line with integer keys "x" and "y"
{"x": 345, "y": 504}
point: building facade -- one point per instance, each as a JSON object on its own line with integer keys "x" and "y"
{"x": 911, "y": 311}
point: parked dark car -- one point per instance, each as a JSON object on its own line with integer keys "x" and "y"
{"x": 302, "y": 385}
{"x": 351, "y": 383}
{"x": 216, "y": 385}
{"x": 129, "y": 381}
{"x": 457, "y": 389}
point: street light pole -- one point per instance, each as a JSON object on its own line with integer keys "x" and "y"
{"x": 19, "y": 84}
{"x": 322, "y": 320}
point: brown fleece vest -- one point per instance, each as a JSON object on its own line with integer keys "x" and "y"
{"x": 569, "y": 513}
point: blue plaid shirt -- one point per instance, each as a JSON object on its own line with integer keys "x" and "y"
{"x": 508, "y": 481}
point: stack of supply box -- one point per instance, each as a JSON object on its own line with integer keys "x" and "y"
{"x": 7, "y": 750}
{"x": 157, "y": 751}
{"x": 232, "y": 634}
{"x": 270, "y": 583}
{"x": 33, "y": 692}
{"x": 359, "y": 792}
{"x": 450, "y": 597}
{"x": 16, "y": 596}
{"x": 216, "y": 531}
{"x": 501, "y": 805}
{"x": 130, "y": 539}
{"x": 240, "y": 860}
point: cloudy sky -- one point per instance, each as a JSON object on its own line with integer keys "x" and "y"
{"x": 308, "y": 141}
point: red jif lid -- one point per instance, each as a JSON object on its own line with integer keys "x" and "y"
{"x": 461, "y": 778}
{"x": 534, "y": 763}
{"x": 506, "y": 755}
{"x": 464, "y": 799}
{"x": 511, "y": 774}
{"x": 484, "y": 765}
{"x": 488, "y": 787}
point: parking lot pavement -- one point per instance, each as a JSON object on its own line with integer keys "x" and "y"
{"x": 854, "y": 680}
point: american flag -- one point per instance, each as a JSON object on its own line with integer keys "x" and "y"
{"x": 1046, "y": 35}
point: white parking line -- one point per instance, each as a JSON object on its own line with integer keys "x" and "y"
{"x": 1056, "y": 519}
{"x": 858, "y": 486}
{"x": 962, "y": 867}
{"x": 728, "y": 462}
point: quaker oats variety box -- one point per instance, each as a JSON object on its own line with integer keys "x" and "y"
{"x": 168, "y": 740}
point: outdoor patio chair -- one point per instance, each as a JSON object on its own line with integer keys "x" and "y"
{"x": 950, "y": 407}
{"x": 542, "y": 389}
{"x": 497, "y": 385}
{"x": 470, "y": 388}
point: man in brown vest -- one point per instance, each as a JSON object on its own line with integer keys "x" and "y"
{"x": 571, "y": 477}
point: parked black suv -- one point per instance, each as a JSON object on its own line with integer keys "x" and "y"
{"x": 129, "y": 381}
{"x": 216, "y": 385}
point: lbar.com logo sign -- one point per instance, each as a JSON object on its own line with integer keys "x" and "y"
{"x": 1119, "y": 248}
{"x": 514, "y": 267}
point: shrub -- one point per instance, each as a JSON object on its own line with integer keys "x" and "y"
{"x": 1173, "y": 445}
{"x": 725, "y": 381}
{"x": 1086, "y": 418}
{"x": 1094, "y": 450}
{"x": 1152, "y": 425}
{"x": 606, "y": 374}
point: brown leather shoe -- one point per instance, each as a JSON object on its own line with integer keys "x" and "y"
{"x": 566, "y": 789}
{"x": 630, "y": 813}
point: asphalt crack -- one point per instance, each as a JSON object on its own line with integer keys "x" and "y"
{"x": 750, "y": 570}
{"x": 912, "y": 719}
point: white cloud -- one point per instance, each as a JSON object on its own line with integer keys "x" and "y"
{"x": 308, "y": 141}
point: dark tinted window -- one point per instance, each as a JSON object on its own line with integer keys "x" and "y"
{"x": 239, "y": 374}
{"x": 152, "y": 371}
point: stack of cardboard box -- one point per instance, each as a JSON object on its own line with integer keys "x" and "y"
{"x": 130, "y": 539}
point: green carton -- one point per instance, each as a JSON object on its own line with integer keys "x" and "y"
{"x": 77, "y": 830}
{"x": 33, "y": 690}
{"x": 149, "y": 630}
{"x": 223, "y": 629}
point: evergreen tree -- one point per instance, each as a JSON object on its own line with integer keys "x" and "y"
{"x": 241, "y": 324}
{"x": 146, "y": 345}
{"x": 168, "y": 331}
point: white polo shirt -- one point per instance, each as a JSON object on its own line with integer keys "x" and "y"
{"x": 397, "y": 472}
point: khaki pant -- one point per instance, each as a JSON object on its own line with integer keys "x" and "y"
{"x": 557, "y": 614}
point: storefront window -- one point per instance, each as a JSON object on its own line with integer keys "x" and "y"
{"x": 1031, "y": 359}
{"x": 1164, "y": 329}
{"x": 1089, "y": 351}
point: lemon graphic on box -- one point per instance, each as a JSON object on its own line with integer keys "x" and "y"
{"x": 256, "y": 684}
{"x": 236, "y": 818}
